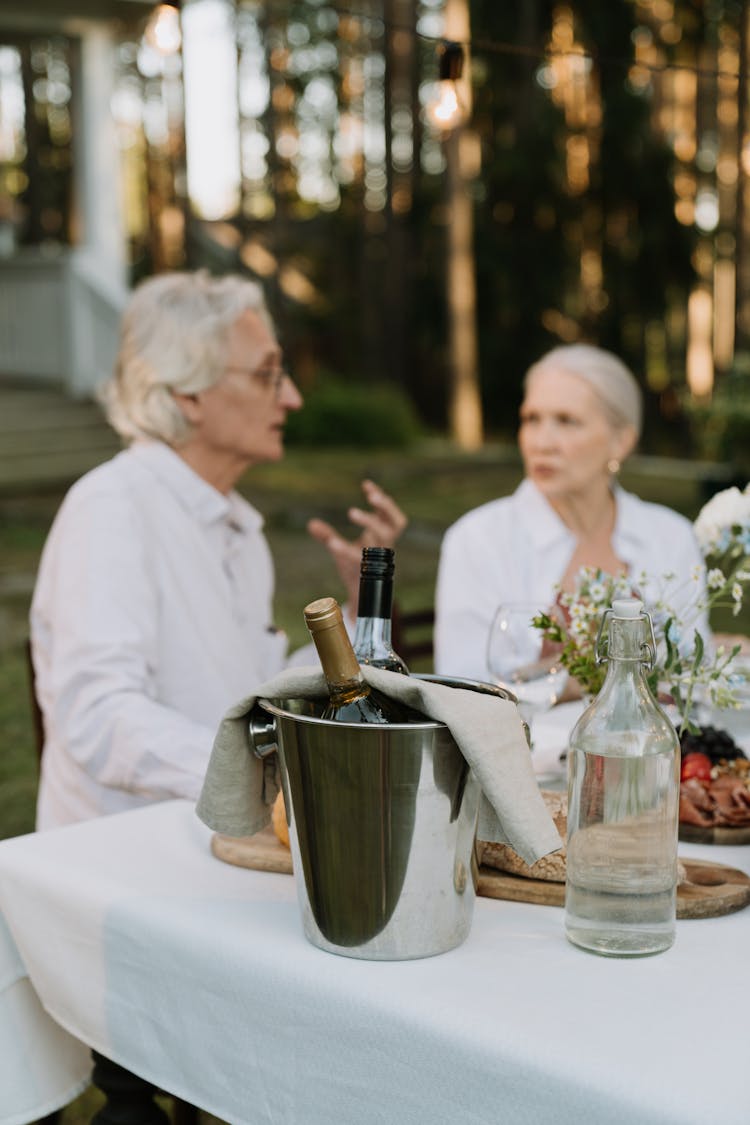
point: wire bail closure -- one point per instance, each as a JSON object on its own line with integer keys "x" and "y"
{"x": 648, "y": 648}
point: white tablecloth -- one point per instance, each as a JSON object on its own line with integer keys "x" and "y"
{"x": 196, "y": 975}
{"x": 41, "y": 1066}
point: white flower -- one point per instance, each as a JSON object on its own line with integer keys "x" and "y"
{"x": 727, "y": 509}
{"x": 715, "y": 579}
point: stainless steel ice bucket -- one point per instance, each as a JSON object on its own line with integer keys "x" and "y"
{"x": 381, "y": 824}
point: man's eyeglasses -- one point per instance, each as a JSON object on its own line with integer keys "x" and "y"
{"x": 271, "y": 378}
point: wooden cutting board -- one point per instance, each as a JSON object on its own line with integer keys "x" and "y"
{"x": 694, "y": 834}
{"x": 262, "y": 852}
{"x": 712, "y": 889}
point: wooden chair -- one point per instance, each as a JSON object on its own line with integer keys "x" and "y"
{"x": 412, "y": 634}
{"x": 37, "y": 719}
{"x": 120, "y": 1089}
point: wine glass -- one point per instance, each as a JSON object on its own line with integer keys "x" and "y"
{"x": 516, "y": 661}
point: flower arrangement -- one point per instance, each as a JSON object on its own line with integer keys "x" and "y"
{"x": 686, "y": 666}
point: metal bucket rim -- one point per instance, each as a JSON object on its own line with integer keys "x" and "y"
{"x": 428, "y": 724}
{"x": 315, "y": 720}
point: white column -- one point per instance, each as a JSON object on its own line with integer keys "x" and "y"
{"x": 97, "y": 286}
{"x": 96, "y": 155}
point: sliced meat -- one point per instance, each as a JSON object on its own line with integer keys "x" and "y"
{"x": 732, "y": 800}
{"x": 696, "y": 805}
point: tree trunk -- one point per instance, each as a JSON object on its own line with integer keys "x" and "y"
{"x": 465, "y": 403}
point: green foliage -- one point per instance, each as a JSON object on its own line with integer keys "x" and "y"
{"x": 680, "y": 664}
{"x": 18, "y": 761}
{"x": 353, "y": 414}
{"x": 721, "y": 427}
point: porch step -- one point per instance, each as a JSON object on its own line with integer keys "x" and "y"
{"x": 48, "y": 439}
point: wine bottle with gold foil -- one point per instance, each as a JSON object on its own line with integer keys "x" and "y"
{"x": 372, "y": 633}
{"x": 352, "y": 700}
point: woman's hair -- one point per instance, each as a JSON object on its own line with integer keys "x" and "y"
{"x": 173, "y": 337}
{"x": 610, "y": 380}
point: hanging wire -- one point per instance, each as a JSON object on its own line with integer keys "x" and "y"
{"x": 500, "y": 47}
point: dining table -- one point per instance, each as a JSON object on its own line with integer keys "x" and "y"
{"x": 127, "y": 935}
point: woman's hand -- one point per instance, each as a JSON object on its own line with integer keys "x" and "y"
{"x": 381, "y": 526}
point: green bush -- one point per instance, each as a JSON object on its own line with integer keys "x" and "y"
{"x": 353, "y": 414}
{"x": 721, "y": 427}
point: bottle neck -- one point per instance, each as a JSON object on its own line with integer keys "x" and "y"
{"x": 372, "y": 635}
{"x": 340, "y": 666}
{"x": 626, "y": 651}
{"x": 375, "y": 597}
{"x": 627, "y": 638}
{"x": 347, "y": 690}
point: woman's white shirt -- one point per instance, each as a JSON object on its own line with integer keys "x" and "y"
{"x": 151, "y": 616}
{"x": 516, "y": 549}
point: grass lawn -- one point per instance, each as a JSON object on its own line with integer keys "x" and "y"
{"x": 434, "y": 486}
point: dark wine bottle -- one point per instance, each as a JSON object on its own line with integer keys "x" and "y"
{"x": 351, "y": 700}
{"x": 372, "y": 633}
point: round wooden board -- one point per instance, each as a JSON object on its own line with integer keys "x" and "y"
{"x": 262, "y": 852}
{"x": 694, "y": 834}
{"x": 712, "y": 889}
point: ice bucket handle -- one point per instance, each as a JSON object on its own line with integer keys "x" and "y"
{"x": 262, "y": 730}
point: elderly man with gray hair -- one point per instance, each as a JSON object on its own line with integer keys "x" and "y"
{"x": 152, "y": 611}
{"x": 580, "y": 419}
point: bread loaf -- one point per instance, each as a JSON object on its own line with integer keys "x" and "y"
{"x": 550, "y": 867}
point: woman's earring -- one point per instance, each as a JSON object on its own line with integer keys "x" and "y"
{"x": 613, "y": 465}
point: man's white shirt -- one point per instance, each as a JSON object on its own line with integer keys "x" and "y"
{"x": 152, "y": 614}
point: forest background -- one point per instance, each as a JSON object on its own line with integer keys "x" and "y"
{"x": 602, "y": 170}
{"x": 596, "y": 189}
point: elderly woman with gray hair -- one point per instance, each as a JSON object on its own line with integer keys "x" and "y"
{"x": 579, "y": 420}
{"x": 152, "y": 611}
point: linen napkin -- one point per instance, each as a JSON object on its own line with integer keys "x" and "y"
{"x": 239, "y": 789}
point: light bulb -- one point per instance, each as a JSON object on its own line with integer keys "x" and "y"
{"x": 445, "y": 111}
{"x": 163, "y": 30}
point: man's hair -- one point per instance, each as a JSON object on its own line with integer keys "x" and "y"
{"x": 174, "y": 336}
{"x": 614, "y": 385}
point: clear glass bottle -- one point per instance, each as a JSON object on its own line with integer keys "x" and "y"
{"x": 352, "y": 700}
{"x": 372, "y": 633}
{"x": 623, "y": 802}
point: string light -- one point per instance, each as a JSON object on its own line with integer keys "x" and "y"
{"x": 445, "y": 109}
{"x": 163, "y": 32}
{"x": 501, "y": 47}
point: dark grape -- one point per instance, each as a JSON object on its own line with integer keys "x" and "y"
{"x": 715, "y": 743}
